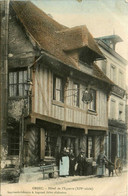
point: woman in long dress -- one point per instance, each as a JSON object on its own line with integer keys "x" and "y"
{"x": 101, "y": 164}
{"x": 64, "y": 163}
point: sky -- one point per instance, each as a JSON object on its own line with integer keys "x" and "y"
{"x": 102, "y": 17}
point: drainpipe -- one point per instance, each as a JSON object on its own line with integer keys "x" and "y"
{"x": 22, "y": 120}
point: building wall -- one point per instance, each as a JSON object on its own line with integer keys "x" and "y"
{"x": 21, "y": 55}
{"x": 45, "y": 105}
{"x": 118, "y": 67}
{"x": 116, "y": 143}
{"x": 114, "y": 108}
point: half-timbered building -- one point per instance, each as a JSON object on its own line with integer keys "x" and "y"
{"x": 59, "y": 64}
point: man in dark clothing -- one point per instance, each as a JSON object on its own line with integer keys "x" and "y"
{"x": 72, "y": 162}
{"x": 81, "y": 160}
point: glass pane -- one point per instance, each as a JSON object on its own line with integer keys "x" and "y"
{"x": 20, "y": 76}
{"x": 11, "y": 90}
{"x": 25, "y": 76}
{"x": 58, "y": 95}
{"x": 14, "y": 90}
{"x": 15, "y": 77}
{"x": 58, "y": 83}
{"x": 11, "y": 78}
{"x": 21, "y": 90}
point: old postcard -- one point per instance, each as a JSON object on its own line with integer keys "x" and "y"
{"x": 64, "y": 97}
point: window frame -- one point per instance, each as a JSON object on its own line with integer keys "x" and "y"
{"x": 93, "y": 100}
{"x": 120, "y": 114}
{"x": 76, "y": 95}
{"x": 61, "y": 90}
{"x": 50, "y": 142}
{"x": 13, "y": 140}
{"x": 17, "y": 83}
{"x": 90, "y": 150}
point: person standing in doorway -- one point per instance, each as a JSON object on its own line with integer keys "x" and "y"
{"x": 72, "y": 162}
{"x": 81, "y": 160}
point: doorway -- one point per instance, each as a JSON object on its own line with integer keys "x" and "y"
{"x": 113, "y": 147}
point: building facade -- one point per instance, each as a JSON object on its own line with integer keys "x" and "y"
{"x": 57, "y": 64}
{"x": 114, "y": 66}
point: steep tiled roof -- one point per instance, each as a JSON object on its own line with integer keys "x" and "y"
{"x": 60, "y": 41}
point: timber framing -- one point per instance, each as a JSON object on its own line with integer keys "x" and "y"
{"x": 65, "y": 124}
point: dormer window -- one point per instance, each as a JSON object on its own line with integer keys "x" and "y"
{"x": 87, "y": 56}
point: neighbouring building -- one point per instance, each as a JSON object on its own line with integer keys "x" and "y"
{"x": 114, "y": 66}
{"x": 127, "y": 121}
{"x": 58, "y": 65}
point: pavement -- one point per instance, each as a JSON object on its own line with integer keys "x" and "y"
{"x": 63, "y": 180}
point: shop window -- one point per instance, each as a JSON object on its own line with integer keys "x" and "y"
{"x": 90, "y": 147}
{"x": 13, "y": 142}
{"x": 17, "y": 82}
{"x": 50, "y": 144}
{"x": 92, "y": 105}
{"x": 76, "y": 94}
{"x": 58, "y": 89}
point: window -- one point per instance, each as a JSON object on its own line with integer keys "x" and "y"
{"x": 104, "y": 63}
{"x": 112, "y": 108}
{"x": 50, "y": 144}
{"x": 121, "y": 79}
{"x": 92, "y": 105}
{"x": 113, "y": 73}
{"x": 90, "y": 147}
{"x": 76, "y": 95}
{"x": 58, "y": 89}
{"x": 17, "y": 82}
{"x": 120, "y": 111}
{"x": 13, "y": 142}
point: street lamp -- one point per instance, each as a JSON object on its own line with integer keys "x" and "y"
{"x": 25, "y": 113}
{"x": 28, "y": 86}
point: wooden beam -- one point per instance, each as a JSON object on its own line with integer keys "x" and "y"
{"x": 65, "y": 124}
